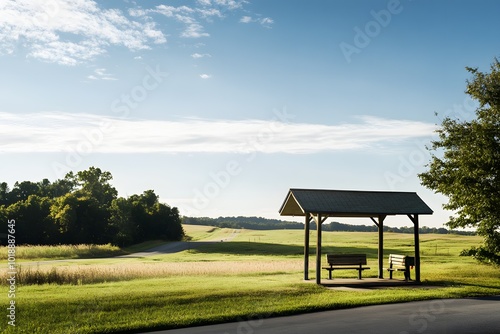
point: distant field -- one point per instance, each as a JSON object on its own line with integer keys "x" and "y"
{"x": 200, "y": 232}
{"x": 258, "y": 274}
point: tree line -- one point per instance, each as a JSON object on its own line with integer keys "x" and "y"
{"x": 85, "y": 208}
{"x": 259, "y": 223}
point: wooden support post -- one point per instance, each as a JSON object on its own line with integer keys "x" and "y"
{"x": 417, "y": 248}
{"x": 416, "y": 232}
{"x": 381, "y": 246}
{"x": 306, "y": 247}
{"x": 318, "y": 249}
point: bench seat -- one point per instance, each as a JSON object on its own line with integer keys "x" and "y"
{"x": 402, "y": 263}
{"x": 346, "y": 261}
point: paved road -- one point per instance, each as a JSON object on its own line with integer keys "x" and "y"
{"x": 442, "y": 316}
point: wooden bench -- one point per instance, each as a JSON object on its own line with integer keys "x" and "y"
{"x": 400, "y": 263}
{"x": 345, "y": 261}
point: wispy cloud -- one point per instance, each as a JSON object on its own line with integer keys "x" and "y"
{"x": 101, "y": 74}
{"x": 69, "y": 32}
{"x": 191, "y": 17}
{"x": 194, "y": 30}
{"x": 205, "y": 76}
{"x": 230, "y": 4}
{"x": 246, "y": 19}
{"x": 62, "y": 132}
{"x": 266, "y": 22}
{"x": 200, "y": 55}
{"x": 209, "y": 13}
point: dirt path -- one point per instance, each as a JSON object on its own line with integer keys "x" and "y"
{"x": 167, "y": 248}
{"x": 179, "y": 246}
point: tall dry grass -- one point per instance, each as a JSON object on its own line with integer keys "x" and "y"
{"x": 89, "y": 274}
{"x": 30, "y": 252}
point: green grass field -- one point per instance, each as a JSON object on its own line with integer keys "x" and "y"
{"x": 257, "y": 275}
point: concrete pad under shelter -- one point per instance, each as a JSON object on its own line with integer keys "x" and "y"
{"x": 368, "y": 283}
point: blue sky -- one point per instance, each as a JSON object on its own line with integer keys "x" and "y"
{"x": 221, "y": 106}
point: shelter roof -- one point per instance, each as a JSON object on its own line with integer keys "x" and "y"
{"x": 352, "y": 203}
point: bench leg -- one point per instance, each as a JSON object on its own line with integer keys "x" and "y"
{"x": 390, "y": 274}
{"x": 330, "y": 274}
{"x": 407, "y": 274}
{"x": 359, "y": 273}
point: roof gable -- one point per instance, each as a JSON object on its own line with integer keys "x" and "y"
{"x": 351, "y": 203}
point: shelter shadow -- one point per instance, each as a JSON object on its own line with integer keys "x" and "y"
{"x": 259, "y": 248}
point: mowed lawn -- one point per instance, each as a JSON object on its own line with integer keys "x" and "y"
{"x": 256, "y": 275}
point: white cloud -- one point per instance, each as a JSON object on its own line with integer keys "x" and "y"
{"x": 170, "y": 11}
{"x": 182, "y": 14}
{"x": 204, "y": 2}
{"x": 101, "y": 74}
{"x": 205, "y": 76}
{"x": 203, "y": 10}
{"x": 230, "y": 4}
{"x": 266, "y": 22}
{"x": 100, "y": 71}
{"x": 69, "y": 32}
{"x": 194, "y": 30}
{"x": 208, "y": 13}
{"x": 200, "y": 55}
{"x": 246, "y": 19}
{"x": 62, "y": 132}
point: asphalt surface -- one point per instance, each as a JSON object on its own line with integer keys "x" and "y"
{"x": 441, "y": 316}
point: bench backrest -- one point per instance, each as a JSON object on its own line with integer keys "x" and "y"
{"x": 400, "y": 260}
{"x": 346, "y": 259}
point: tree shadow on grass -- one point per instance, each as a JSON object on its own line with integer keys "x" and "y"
{"x": 246, "y": 248}
{"x": 259, "y": 248}
{"x": 371, "y": 253}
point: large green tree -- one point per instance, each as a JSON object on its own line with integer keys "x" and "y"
{"x": 154, "y": 220}
{"x": 96, "y": 184}
{"x": 4, "y": 193}
{"x": 33, "y": 223}
{"x": 58, "y": 188}
{"x": 22, "y": 190}
{"x": 465, "y": 165}
{"x": 80, "y": 219}
{"x": 121, "y": 223}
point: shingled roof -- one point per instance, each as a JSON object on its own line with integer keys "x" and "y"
{"x": 351, "y": 203}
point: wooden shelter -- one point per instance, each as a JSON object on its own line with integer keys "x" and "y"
{"x": 321, "y": 204}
